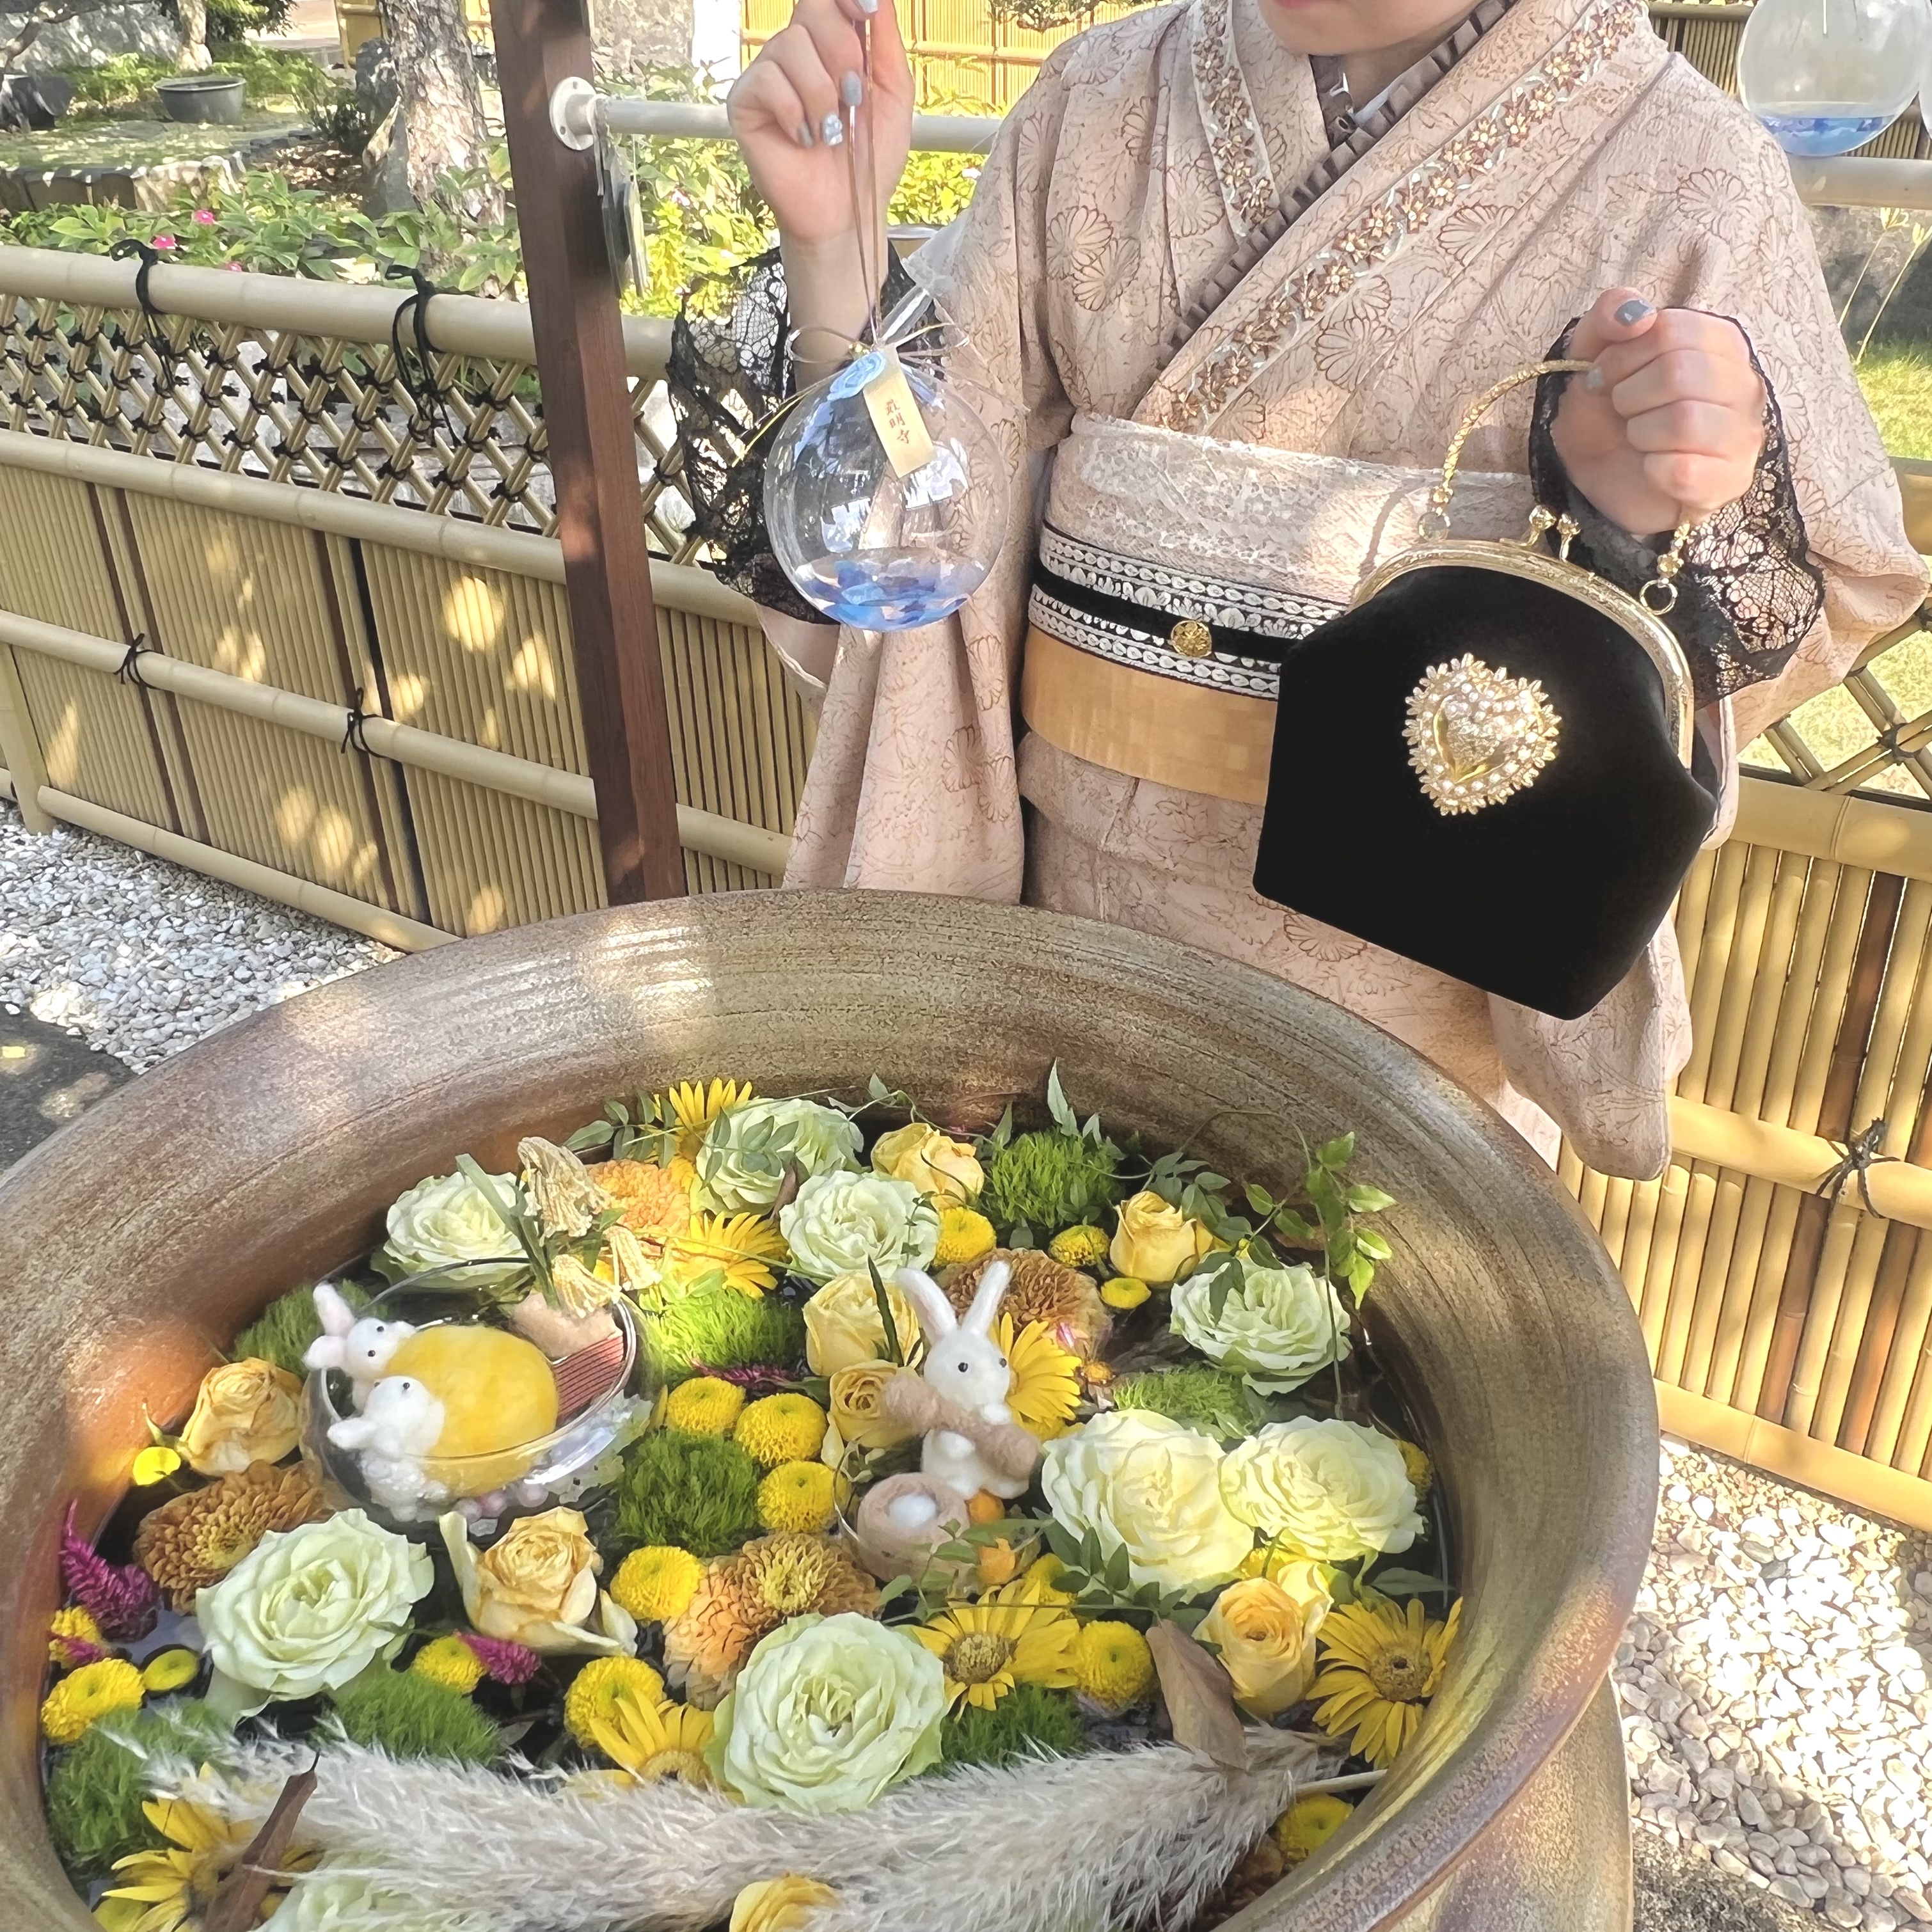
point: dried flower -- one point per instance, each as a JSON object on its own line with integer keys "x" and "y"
{"x": 567, "y": 1200}
{"x": 780, "y": 1429}
{"x": 657, "y": 1583}
{"x": 246, "y": 1411}
{"x": 964, "y": 1235}
{"x": 595, "y": 1690}
{"x": 195, "y": 1540}
{"x": 1083, "y": 1246}
{"x": 1114, "y": 1665}
{"x": 121, "y": 1600}
{"x": 109, "y": 1683}
{"x": 1061, "y": 1299}
{"x": 73, "y": 1638}
{"x": 449, "y": 1661}
{"x": 705, "y": 1406}
{"x": 798, "y": 1496}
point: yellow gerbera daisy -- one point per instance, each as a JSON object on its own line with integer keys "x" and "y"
{"x": 694, "y": 1105}
{"x": 747, "y": 1248}
{"x": 964, "y": 1235}
{"x": 594, "y": 1692}
{"x": 1381, "y": 1662}
{"x": 654, "y": 1739}
{"x": 1040, "y": 1584}
{"x": 1114, "y": 1665}
{"x": 166, "y": 1890}
{"x": 704, "y": 1405}
{"x": 1046, "y": 1389}
{"x": 657, "y": 1583}
{"x": 1006, "y": 1638}
{"x": 111, "y": 1684}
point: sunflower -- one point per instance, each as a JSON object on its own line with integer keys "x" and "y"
{"x": 748, "y": 1248}
{"x": 653, "y": 1740}
{"x": 167, "y": 1889}
{"x": 1381, "y": 1663}
{"x": 694, "y": 1105}
{"x": 1046, "y": 1389}
{"x": 1005, "y": 1639}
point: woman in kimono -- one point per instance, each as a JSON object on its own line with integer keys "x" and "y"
{"x": 1231, "y": 273}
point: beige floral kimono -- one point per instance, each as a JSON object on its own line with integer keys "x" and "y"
{"x": 1283, "y": 443}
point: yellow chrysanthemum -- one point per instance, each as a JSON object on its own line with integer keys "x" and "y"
{"x": 1124, "y": 1291}
{"x": 1083, "y": 1246}
{"x": 169, "y": 1670}
{"x": 1046, "y": 1389}
{"x": 798, "y": 1496}
{"x": 1415, "y": 1459}
{"x": 594, "y": 1692}
{"x": 71, "y": 1626}
{"x": 1380, "y": 1664}
{"x": 704, "y": 1405}
{"x": 695, "y": 1105}
{"x": 964, "y": 1235}
{"x": 653, "y": 1738}
{"x": 167, "y": 1890}
{"x": 1006, "y": 1638}
{"x": 449, "y": 1661}
{"x": 780, "y": 1429}
{"x": 1309, "y": 1823}
{"x": 747, "y": 1248}
{"x": 657, "y": 1584}
{"x": 1114, "y": 1665}
{"x": 109, "y": 1683}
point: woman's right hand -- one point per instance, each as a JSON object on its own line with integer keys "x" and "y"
{"x": 787, "y": 109}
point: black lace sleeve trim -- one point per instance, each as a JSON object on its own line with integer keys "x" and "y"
{"x": 731, "y": 367}
{"x": 1750, "y": 591}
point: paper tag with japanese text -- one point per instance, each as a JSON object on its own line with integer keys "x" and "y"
{"x": 896, "y": 416}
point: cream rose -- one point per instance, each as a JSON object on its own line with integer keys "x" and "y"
{"x": 856, "y": 1415}
{"x": 1277, "y": 1326}
{"x": 308, "y": 1609}
{"x": 448, "y": 1218}
{"x": 827, "y": 1714}
{"x": 1333, "y": 1490}
{"x": 1153, "y": 1242}
{"x": 842, "y": 1327}
{"x": 1265, "y": 1629}
{"x": 779, "y": 1904}
{"x": 938, "y": 1165}
{"x": 244, "y": 1412}
{"x": 742, "y": 1163}
{"x": 1150, "y": 1485}
{"x": 840, "y": 1222}
{"x": 537, "y": 1585}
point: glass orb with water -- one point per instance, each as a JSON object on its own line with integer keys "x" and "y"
{"x": 861, "y": 542}
{"x": 1826, "y": 75}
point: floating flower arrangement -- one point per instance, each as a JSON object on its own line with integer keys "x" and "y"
{"x": 766, "y": 1513}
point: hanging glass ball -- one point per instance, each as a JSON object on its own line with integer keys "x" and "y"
{"x": 860, "y": 542}
{"x": 1826, "y": 76}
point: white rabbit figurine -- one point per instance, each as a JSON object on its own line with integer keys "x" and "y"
{"x": 360, "y": 1348}
{"x": 395, "y": 1432}
{"x": 964, "y": 1364}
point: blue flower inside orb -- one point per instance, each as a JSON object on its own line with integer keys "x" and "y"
{"x": 1826, "y": 75}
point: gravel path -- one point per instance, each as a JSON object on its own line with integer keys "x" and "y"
{"x": 1774, "y": 1685}
{"x": 140, "y": 958}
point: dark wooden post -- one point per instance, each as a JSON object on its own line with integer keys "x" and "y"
{"x": 593, "y": 454}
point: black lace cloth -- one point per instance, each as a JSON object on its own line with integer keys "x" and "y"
{"x": 1749, "y": 591}
{"x": 731, "y": 367}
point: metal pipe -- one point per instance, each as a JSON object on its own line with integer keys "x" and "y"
{"x": 1848, "y": 180}
{"x": 688, "y": 120}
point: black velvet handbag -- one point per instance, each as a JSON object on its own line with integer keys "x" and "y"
{"x": 1492, "y": 747}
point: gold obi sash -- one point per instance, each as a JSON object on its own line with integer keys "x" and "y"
{"x": 1174, "y": 572}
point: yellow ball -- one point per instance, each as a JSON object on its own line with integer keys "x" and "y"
{"x": 497, "y": 1392}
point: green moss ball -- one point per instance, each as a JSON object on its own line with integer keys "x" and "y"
{"x": 1026, "y": 1721}
{"x": 96, "y": 1789}
{"x": 283, "y": 1331}
{"x": 698, "y": 1492}
{"x": 719, "y": 1328}
{"x": 409, "y": 1716}
{"x": 1047, "y": 1180}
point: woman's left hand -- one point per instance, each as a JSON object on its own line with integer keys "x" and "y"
{"x": 1669, "y": 425}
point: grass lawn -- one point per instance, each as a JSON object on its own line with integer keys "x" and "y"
{"x": 1897, "y": 379}
{"x": 92, "y": 143}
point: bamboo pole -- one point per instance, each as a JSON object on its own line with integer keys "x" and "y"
{"x": 1616, "y": 1217}
{"x": 1841, "y": 1087}
{"x": 406, "y": 935}
{"x": 1847, "y": 831}
{"x": 1887, "y": 1440}
{"x": 20, "y": 745}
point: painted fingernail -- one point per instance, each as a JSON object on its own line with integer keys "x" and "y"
{"x": 852, "y": 90}
{"x": 868, "y": 6}
{"x": 805, "y": 135}
{"x": 1635, "y": 310}
{"x": 832, "y": 130}
{"x": 1593, "y": 379}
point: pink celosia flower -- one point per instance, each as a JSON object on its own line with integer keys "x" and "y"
{"x": 508, "y": 1663}
{"x": 122, "y": 1601}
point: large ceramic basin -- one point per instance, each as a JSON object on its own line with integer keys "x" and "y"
{"x": 139, "y": 1240}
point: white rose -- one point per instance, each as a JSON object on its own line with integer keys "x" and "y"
{"x": 448, "y": 1218}
{"x": 1333, "y": 1490}
{"x": 1277, "y": 1327}
{"x": 1142, "y": 1482}
{"x": 840, "y": 1222}
{"x": 339, "y": 1899}
{"x": 742, "y": 1163}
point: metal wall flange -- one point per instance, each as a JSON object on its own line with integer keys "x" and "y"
{"x": 573, "y": 112}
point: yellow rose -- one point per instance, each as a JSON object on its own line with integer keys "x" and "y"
{"x": 780, "y": 1904}
{"x": 842, "y": 1327}
{"x": 936, "y": 1166}
{"x": 537, "y": 1585}
{"x": 856, "y": 1393}
{"x": 248, "y": 1411}
{"x": 1154, "y": 1242}
{"x": 1265, "y": 1629}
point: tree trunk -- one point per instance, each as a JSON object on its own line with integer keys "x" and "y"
{"x": 194, "y": 57}
{"x": 442, "y": 104}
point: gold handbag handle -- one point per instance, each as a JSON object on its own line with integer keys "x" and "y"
{"x": 1435, "y": 522}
